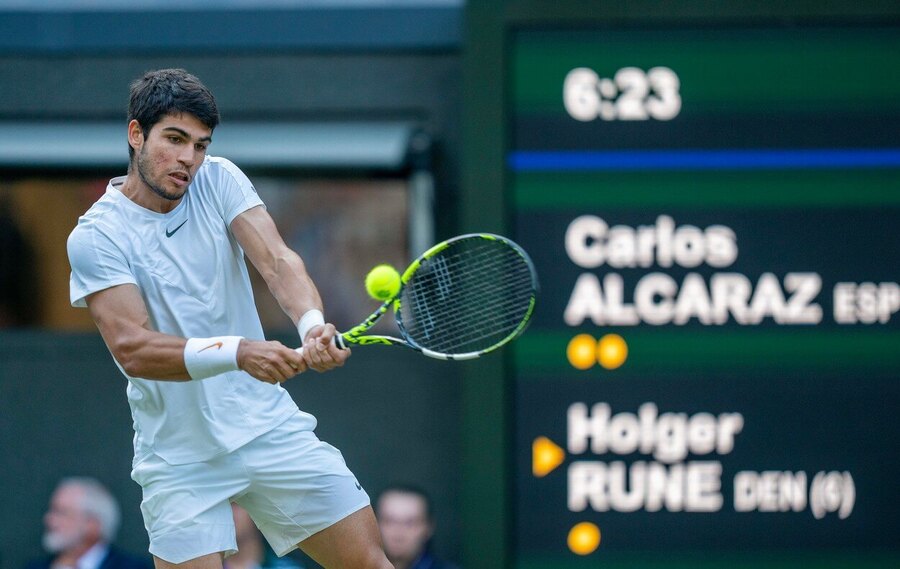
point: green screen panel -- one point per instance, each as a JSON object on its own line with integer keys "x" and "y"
{"x": 712, "y": 373}
{"x": 734, "y": 71}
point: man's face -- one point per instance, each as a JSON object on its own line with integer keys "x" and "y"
{"x": 66, "y": 525}
{"x": 170, "y": 154}
{"x": 405, "y": 528}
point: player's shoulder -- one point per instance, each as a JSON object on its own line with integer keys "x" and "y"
{"x": 93, "y": 231}
{"x": 105, "y": 226}
{"x": 219, "y": 166}
{"x": 218, "y": 162}
{"x": 103, "y": 217}
{"x": 217, "y": 173}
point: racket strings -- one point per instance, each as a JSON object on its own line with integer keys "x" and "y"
{"x": 467, "y": 275}
{"x": 458, "y": 332}
{"x": 502, "y": 307}
{"x": 468, "y": 297}
{"x": 486, "y": 333}
{"x": 465, "y": 337}
{"x": 492, "y": 301}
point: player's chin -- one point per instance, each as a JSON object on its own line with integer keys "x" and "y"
{"x": 176, "y": 194}
{"x": 170, "y": 193}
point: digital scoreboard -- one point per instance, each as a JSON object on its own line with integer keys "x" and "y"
{"x": 712, "y": 377}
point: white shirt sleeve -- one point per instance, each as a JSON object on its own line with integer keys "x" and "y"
{"x": 235, "y": 191}
{"x": 97, "y": 264}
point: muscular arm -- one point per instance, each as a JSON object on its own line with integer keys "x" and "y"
{"x": 287, "y": 279}
{"x": 283, "y": 270}
{"x": 121, "y": 316}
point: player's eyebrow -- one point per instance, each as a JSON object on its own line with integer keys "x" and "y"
{"x": 186, "y": 135}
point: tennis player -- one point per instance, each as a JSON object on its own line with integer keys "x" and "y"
{"x": 158, "y": 261}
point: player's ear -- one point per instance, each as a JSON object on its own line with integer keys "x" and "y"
{"x": 135, "y": 134}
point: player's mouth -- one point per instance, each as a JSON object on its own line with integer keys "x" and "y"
{"x": 180, "y": 178}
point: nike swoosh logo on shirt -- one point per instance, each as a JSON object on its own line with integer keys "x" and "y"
{"x": 216, "y": 345}
{"x": 171, "y": 233}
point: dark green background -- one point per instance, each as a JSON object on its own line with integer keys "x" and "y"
{"x": 486, "y": 205}
{"x": 812, "y": 396}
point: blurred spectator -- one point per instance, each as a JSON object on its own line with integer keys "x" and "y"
{"x": 17, "y": 294}
{"x": 79, "y": 529}
{"x": 252, "y": 551}
{"x": 406, "y": 519}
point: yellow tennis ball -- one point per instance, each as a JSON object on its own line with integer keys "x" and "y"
{"x": 383, "y": 282}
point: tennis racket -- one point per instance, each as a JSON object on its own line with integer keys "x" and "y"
{"x": 461, "y": 299}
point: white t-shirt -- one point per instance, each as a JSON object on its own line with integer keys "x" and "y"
{"x": 190, "y": 270}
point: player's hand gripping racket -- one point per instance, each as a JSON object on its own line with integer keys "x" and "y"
{"x": 461, "y": 299}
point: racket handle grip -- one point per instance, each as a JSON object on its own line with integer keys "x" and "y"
{"x": 336, "y": 340}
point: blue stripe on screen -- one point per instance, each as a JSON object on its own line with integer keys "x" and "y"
{"x": 528, "y": 161}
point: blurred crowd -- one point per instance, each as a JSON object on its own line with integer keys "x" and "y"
{"x": 83, "y": 518}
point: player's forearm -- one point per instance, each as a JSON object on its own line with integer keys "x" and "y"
{"x": 292, "y": 286}
{"x": 151, "y": 355}
{"x": 161, "y": 357}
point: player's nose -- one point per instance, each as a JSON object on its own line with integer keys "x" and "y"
{"x": 187, "y": 155}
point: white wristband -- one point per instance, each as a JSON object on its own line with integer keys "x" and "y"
{"x": 206, "y": 357}
{"x": 308, "y": 321}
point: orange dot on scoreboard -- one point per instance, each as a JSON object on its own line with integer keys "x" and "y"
{"x": 612, "y": 351}
{"x": 582, "y": 351}
{"x": 584, "y": 538}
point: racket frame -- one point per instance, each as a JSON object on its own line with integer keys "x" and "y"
{"x": 357, "y": 336}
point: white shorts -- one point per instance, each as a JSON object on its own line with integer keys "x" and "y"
{"x": 292, "y": 484}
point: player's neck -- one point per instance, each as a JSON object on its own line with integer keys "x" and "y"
{"x": 135, "y": 189}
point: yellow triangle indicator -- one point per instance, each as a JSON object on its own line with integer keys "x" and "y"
{"x": 545, "y": 456}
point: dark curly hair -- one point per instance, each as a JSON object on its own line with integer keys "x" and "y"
{"x": 167, "y": 91}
